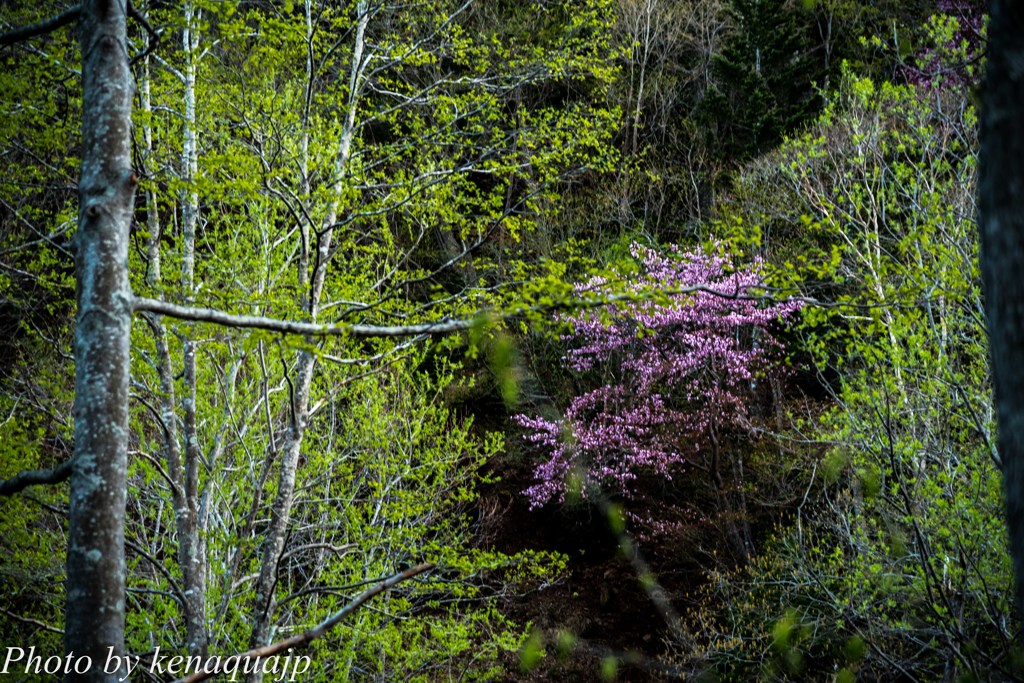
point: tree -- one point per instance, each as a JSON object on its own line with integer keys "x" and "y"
{"x": 1001, "y": 223}
{"x": 294, "y": 197}
{"x": 668, "y": 48}
{"x": 94, "y": 620}
{"x": 670, "y": 372}
{"x": 895, "y": 563}
{"x": 766, "y": 78}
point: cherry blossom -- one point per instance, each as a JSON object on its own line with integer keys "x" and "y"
{"x": 666, "y": 374}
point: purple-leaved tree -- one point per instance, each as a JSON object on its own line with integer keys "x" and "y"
{"x": 672, "y": 365}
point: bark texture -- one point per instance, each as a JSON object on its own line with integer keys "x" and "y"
{"x": 95, "y": 563}
{"x": 1001, "y": 221}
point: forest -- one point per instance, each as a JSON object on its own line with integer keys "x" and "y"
{"x": 498, "y": 340}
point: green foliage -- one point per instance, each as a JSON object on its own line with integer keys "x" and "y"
{"x": 766, "y": 78}
{"x": 390, "y": 478}
{"x": 31, "y": 575}
{"x": 455, "y": 170}
{"x": 904, "y": 559}
{"x": 609, "y": 668}
{"x": 531, "y": 652}
{"x": 407, "y": 178}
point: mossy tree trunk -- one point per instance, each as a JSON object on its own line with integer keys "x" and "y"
{"x": 96, "y": 562}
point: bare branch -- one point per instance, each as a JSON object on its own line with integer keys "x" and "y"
{"x": 336, "y": 549}
{"x": 48, "y": 26}
{"x": 176, "y": 592}
{"x": 154, "y": 35}
{"x": 318, "y": 630}
{"x": 209, "y": 315}
{"x": 580, "y": 300}
{"x": 27, "y": 478}
{"x": 29, "y": 620}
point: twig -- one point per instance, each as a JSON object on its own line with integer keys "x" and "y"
{"x": 30, "y": 620}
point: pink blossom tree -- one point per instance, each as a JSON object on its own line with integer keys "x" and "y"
{"x": 672, "y": 364}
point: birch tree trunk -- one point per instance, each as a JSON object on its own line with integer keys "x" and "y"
{"x": 182, "y": 472}
{"x": 95, "y": 562}
{"x": 191, "y": 551}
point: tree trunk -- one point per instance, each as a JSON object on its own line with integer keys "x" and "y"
{"x": 184, "y": 475}
{"x": 191, "y": 546}
{"x": 1001, "y": 221}
{"x": 95, "y": 563}
{"x": 266, "y": 582}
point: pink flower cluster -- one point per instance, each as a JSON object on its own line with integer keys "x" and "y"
{"x": 664, "y": 375}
